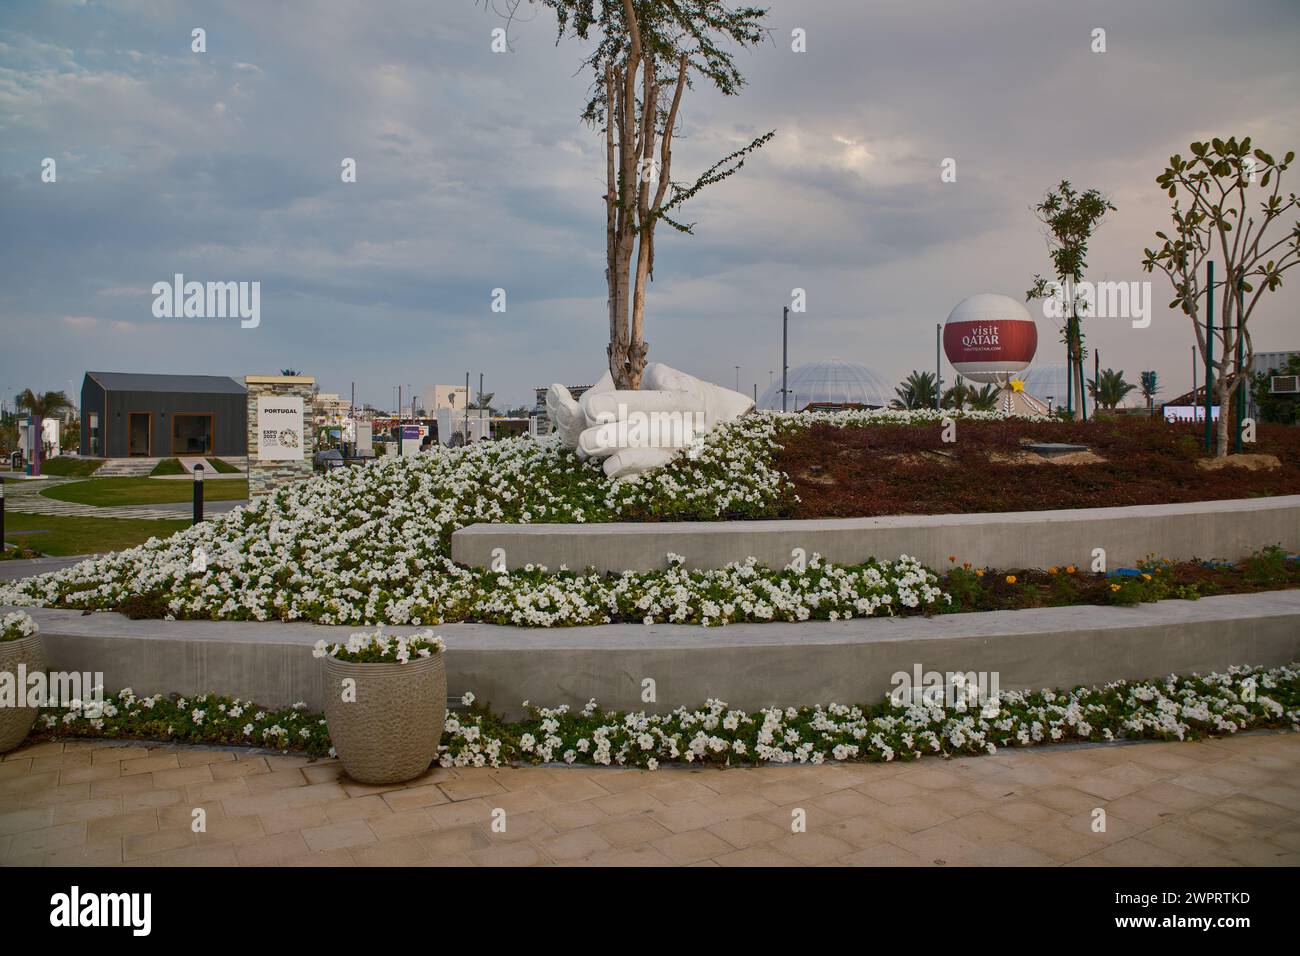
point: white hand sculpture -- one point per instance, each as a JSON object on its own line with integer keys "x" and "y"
{"x": 637, "y": 430}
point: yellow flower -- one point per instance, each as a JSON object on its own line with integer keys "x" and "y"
{"x": 979, "y": 574}
{"x": 1011, "y": 579}
{"x": 1052, "y": 570}
{"x": 1070, "y": 569}
{"x": 1146, "y": 577}
{"x": 1114, "y": 587}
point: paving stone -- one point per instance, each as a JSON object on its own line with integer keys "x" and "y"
{"x": 398, "y": 800}
{"x": 333, "y": 836}
{"x": 914, "y": 816}
{"x": 882, "y": 854}
{"x": 631, "y": 831}
{"x": 747, "y": 832}
{"x": 763, "y": 855}
{"x": 1229, "y": 802}
{"x": 514, "y": 854}
{"x": 696, "y": 845}
{"x": 275, "y": 780}
{"x": 397, "y": 852}
{"x": 810, "y": 848}
{"x": 126, "y": 824}
{"x": 573, "y": 845}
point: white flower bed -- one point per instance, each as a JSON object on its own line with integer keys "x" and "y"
{"x": 1175, "y": 708}
{"x": 16, "y": 625}
{"x": 367, "y": 545}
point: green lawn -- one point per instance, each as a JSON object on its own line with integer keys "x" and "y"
{"x": 172, "y": 466}
{"x": 71, "y": 467}
{"x": 168, "y": 466}
{"x": 84, "y": 535}
{"x": 112, "y": 492}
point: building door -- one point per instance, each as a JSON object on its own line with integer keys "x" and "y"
{"x": 140, "y": 434}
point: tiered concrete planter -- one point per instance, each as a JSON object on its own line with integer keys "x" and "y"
{"x": 16, "y": 722}
{"x": 387, "y": 727}
{"x": 747, "y": 665}
{"x": 1018, "y": 539}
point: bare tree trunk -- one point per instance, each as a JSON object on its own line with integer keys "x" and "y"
{"x": 611, "y": 218}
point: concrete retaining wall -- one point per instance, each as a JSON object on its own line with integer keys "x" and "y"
{"x": 1022, "y": 539}
{"x": 747, "y": 665}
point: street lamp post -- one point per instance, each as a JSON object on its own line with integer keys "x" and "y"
{"x": 785, "y": 354}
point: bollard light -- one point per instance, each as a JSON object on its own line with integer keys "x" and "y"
{"x": 198, "y": 493}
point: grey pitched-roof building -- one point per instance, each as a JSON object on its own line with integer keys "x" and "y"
{"x": 124, "y": 414}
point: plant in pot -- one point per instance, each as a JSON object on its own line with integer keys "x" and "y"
{"x": 385, "y": 703}
{"x": 21, "y": 650}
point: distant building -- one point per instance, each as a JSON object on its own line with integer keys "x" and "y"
{"x": 574, "y": 390}
{"x": 162, "y": 416}
{"x": 435, "y": 397}
{"x": 1263, "y": 363}
{"x": 330, "y": 408}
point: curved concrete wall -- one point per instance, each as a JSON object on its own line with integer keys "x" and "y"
{"x": 747, "y": 665}
{"x": 1020, "y": 539}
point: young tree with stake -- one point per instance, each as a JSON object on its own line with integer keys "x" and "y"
{"x": 1219, "y": 215}
{"x": 1071, "y": 217}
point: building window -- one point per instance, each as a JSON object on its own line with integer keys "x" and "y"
{"x": 192, "y": 434}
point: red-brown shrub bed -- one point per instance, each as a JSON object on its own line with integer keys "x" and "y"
{"x": 859, "y": 471}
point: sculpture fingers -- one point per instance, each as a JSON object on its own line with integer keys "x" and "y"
{"x": 634, "y": 461}
{"x": 566, "y": 415}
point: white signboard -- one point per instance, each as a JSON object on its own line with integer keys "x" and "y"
{"x": 1189, "y": 413}
{"x": 279, "y": 428}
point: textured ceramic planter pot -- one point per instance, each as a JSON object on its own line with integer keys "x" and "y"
{"x": 390, "y": 731}
{"x": 16, "y": 722}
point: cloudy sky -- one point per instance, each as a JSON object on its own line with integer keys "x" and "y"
{"x": 475, "y": 173}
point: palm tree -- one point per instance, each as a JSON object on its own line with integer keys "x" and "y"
{"x": 484, "y": 400}
{"x": 957, "y": 396}
{"x": 917, "y": 391}
{"x": 1111, "y": 389}
{"x": 985, "y": 400}
{"x": 43, "y": 406}
{"x": 1150, "y": 386}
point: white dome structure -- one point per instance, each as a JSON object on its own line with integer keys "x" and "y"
{"x": 831, "y": 382}
{"x": 1047, "y": 381}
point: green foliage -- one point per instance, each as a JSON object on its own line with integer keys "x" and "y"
{"x": 44, "y": 405}
{"x": 1282, "y": 409}
{"x": 1268, "y": 568}
{"x": 1150, "y": 385}
{"x": 167, "y": 466}
{"x": 1071, "y": 217}
{"x": 984, "y": 400}
{"x": 917, "y": 391}
{"x": 1111, "y": 389}
{"x": 65, "y": 466}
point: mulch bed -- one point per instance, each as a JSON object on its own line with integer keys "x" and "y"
{"x": 908, "y": 469}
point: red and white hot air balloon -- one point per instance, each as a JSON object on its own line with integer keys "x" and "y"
{"x": 990, "y": 338}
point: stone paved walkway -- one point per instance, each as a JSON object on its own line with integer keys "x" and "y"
{"x": 1223, "y": 802}
{"x": 26, "y": 498}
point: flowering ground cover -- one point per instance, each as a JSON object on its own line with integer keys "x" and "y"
{"x": 371, "y": 545}
{"x": 874, "y": 469}
{"x": 982, "y": 589}
{"x": 1175, "y": 708}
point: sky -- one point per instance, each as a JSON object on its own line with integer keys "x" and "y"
{"x": 475, "y": 173}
